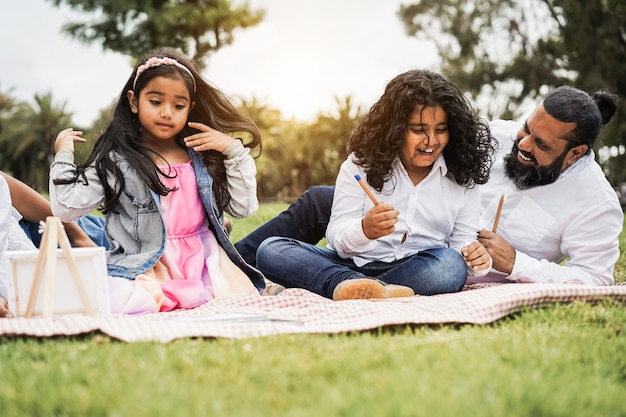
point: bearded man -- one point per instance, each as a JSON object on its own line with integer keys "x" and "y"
{"x": 561, "y": 218}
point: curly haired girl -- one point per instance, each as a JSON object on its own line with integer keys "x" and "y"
{"x": 422, "y": 150}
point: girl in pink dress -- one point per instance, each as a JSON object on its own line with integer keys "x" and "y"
{"x": 164, "y": 172}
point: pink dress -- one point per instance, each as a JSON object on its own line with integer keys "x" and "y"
{"x": 182, "y": 277}
{"x": 186, "y": 281}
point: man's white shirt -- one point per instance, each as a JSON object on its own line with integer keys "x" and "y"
{"x": 564, "y": 231}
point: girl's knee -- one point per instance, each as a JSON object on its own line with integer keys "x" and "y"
{"x": 453, "y": 268}
{"x": 452, "y": 259}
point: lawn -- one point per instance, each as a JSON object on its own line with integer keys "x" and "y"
{"x": 562, "y": 360}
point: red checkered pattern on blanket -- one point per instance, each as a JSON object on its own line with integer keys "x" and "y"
{"x": 300, "y": 311}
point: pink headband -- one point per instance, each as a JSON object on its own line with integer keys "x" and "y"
{"x": 157, "y": 62}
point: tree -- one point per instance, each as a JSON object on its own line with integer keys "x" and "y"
{"x": 328, "y": 137}
{"x": 8, "y": 108}
{"x": 28, "y": 137}
{"x": 505, "y": 52}
{"x": 314, "y": 152}
{"x": 271, "y": 168}
{"x": 133, "y": 27}
{"x": 298, "y": 155}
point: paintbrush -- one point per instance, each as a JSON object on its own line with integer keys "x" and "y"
{"x": 371, "y": 196}
{"x": 366, "y": 189}
{"x": 498, "y": 212}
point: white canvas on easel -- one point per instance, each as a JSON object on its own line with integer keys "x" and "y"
{"x": 58, "y": 281}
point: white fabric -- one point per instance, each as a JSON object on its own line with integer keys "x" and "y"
{"x": 17, "y": 238}
{"x": 435, "y": 213}
{"x": 577, "y": 218}
{"x": 12, "y": 237}
{"x": 5, "y": 217}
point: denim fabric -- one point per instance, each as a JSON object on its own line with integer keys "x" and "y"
{"x": 305, "y": 220}
{"x": 216, "y": 222}
{"x": 292, "y": 263}
{"x": 92, "y": 225}
{"x": 136, "y": 231}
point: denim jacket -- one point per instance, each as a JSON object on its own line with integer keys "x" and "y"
{"x": 136, "y": 232}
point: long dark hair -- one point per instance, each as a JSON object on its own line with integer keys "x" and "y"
{"x": 376, "y": 142}
{"x": 123, "y": 134}
{"x": 571, "y": 105}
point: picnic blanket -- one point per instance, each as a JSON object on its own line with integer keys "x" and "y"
{"x": 300, "y": 311}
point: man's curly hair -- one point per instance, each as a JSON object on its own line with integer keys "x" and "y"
{"x": 376, "y": 142}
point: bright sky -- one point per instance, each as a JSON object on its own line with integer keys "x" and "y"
{"x": 302, "y": 55}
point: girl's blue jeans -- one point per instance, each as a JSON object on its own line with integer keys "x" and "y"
{"x": 292, "y": 263}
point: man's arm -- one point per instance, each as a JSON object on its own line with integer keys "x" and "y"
{"x": 590, "y": 244}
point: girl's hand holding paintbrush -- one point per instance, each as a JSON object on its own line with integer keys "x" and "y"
{"x": 381, "y": 219}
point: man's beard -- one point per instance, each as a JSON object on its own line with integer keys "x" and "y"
{"x": 524, "y": 176}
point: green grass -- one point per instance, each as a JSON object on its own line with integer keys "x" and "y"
{"x": 562, "y": 360}
{"x": 267, "y": 211}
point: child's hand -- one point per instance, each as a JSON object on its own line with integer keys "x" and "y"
{"x": 66, "y": 138}
{"x": 501, "y": 251}
{"x": 476, "y": 256}
{"x": 208, "y": 139}
{"x": 379, "y": 221}
{"x": 4, "y": 308}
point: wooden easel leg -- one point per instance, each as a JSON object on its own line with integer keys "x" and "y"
{"x": 41, "y": 261}
{"x": 54, "y": 236}
{"x": 51, "y": 268}
{"x": 64, "y": 242}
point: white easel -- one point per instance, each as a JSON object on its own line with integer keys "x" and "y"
{"x": 54, "y": 236}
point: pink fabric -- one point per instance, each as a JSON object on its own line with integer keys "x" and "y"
{"x": 188, "y": 249}
{"x": 129, "y": 298}
{"x": 182, "y": 277}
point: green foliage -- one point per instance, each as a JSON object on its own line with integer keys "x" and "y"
{"x": 133, "y": 27}
{"x": 266, "y": 212}
{"x": 27, "y": 138}
{"x": 298, "y": 155}
{"x": 508, "y": 52}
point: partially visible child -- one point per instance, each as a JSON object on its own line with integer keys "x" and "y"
{"x": 422, "y": 150}
{"x": 30, "y": 208}
{"x": 5, "y": 224}
{"x": 26, "y": 208}
{"x": 165, "y": 170}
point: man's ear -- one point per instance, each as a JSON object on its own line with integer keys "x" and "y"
{"x": 576, "y": 153}
{"x": 132, "y": 100}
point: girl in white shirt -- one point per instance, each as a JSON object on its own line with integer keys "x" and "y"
{"x": 422, "y": 150}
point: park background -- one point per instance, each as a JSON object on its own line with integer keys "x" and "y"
{"x": 305, "y": 71}
{"x": 562, "y": 360}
